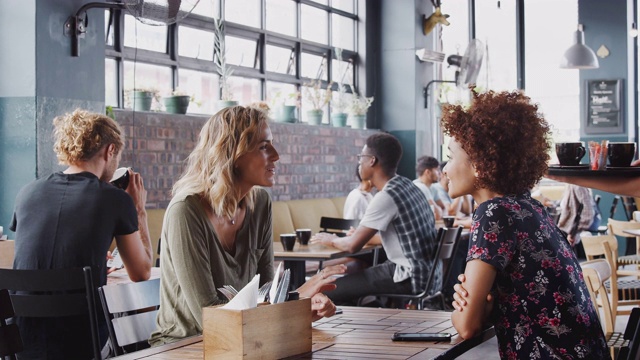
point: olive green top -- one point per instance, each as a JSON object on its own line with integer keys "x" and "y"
{"x": 193, "y": 263}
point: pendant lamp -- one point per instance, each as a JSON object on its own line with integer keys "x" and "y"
{"x": 579, "y": 55}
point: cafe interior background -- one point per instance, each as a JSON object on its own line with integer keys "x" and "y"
{"x": 276, "y": 48}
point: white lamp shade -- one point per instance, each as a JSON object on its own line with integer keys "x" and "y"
{"x": 579, "y": 56}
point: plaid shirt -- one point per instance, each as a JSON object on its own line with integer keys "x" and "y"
{"x": 415, "y": 225}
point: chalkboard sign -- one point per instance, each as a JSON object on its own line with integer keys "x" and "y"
{"x": 604, "y": 108}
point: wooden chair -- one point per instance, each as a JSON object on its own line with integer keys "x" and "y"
{"x": 10, "y": 341}
{"x": 617, "y": 227}
{"x": 623, "y": 292}
{"x": 130, "y": 310}
{"x": 54, "y": 293}
{"x": 448, "y": 241}
{"x": 596, "y": 273}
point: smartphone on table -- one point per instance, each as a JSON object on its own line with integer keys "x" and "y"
{"x": 400, "y": 336}
{"x": 116, "y": 260}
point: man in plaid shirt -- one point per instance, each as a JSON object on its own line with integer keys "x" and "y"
{"x": 401, "y": 214}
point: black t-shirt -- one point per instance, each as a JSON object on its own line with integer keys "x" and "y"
{"x": 67, "y": 221}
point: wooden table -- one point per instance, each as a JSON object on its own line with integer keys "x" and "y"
{"x": 296, "y": 259}
{"x": 120, "y": 276}
{"x": 358, "y": 333}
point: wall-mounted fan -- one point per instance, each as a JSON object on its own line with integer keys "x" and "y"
{"x": 150, "y": 12}
{"x": 468, "y": 65}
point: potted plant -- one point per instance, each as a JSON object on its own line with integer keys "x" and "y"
{"x": 318, "y": 98}
{"x": 142, "y": 98}
{"x": 358, "y": 109}
{"x": 222, "y": 68}
{"x": 177, "y": 102}
{"x": 285, "y": 106}
{"x": 340, "y": 101}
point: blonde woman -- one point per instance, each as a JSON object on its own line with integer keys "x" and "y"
{"x": 217, "y": 228}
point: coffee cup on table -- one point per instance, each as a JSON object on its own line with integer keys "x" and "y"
{"x": 303, "y": 236}
{"x": 570, "y": 153}
{"x": 448, "y": 221}
{"x": 120, "y": 178}
{"x": 288, "y": 241}
{"x": 621, "y": 154}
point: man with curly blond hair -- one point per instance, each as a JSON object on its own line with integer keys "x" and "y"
{"x": 521, "y": 273}
{"x": 69, "y": 219}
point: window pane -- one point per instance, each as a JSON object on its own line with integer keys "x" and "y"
{"x": 245, "y": 90}
{"x": 279, "y": 94}
{"x": 281, "y": 16}
{"x": 109, "y": 38}
{"x": 315, "y": 24}
{"x": 556, "y": 90}
{"x": 312, "y": 67}
{"x": 207, "y": 8}
{"x": 345, "y": 5}
{"x": 241, "y": 52}
{"x": 203, "y": 86}
{"x": 343, "y": 32}
{"x": 342, "y": 72}
{"x": 142, "y": 36}
{"x": 246, "y": 12}
{"x": 281, "y": 60}
{"x": 308, "y": 105}
{"x": 110, "y": 82}
{"x": 496, "y": 28}
{"x": 195, "y": 43}
{"x": 145, "y": 76}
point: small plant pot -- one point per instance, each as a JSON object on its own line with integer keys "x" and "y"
{"x": 339, "y": 120}
{"x": 222, "y": 104}
{"x": 177, "y": 104}
{"x": 314, "y": 117}
{"x": 286, "y": 114}
{"x": 142, "y": 100}
{"x": 358, "y": 121}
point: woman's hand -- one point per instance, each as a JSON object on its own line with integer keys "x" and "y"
{"x": 323, "y": 238}
{"x": 321, "y": 306}
{"x": 460, "y": 295}
{"x": 322, "y": 281}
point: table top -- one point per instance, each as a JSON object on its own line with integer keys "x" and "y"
{"x": 359, "y": 331}
{"x": 314, "y": 252}
{"x": 120, "y": 276}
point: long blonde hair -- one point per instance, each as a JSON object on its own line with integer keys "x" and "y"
{"x": 80, "y": 135}
{"x": 225, "y": 137}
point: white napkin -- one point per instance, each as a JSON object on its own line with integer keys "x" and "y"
{"x": 246, "y": 298}
{"x": 274, "y": 284}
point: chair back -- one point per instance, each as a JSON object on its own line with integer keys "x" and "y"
{"x": 629, "y": 206}
{"x": 617, "y": 227}
{"x": 337, "y": 226}
{"x": 597, "y": 198}
{"x": 54, "y": 293}
{"x": 448, "y": 247}
{"x": 614, "y": 206}
{"x": 10, "y": 341}
{"x": 130, "y": 310}
{"x": 596, "y": 272}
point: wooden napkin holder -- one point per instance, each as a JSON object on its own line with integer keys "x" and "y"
{"x": 264, "y": 332}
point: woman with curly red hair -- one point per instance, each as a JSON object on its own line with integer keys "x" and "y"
{"x": 517, "y": 256}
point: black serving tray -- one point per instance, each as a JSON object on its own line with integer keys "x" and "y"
{"x": 559, "y": 170}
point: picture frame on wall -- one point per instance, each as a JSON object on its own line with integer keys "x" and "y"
{"x": 604, "y": 108}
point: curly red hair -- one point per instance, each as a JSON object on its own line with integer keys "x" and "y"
{"x": 505, "y": 137}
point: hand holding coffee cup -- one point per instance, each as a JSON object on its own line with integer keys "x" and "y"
{"x": 570, "y": 153}
{"x": 120, "y": 178}
{"x": 288, "y": 241}
{"x": 303, "y": 236}
{"x": 621, "y": 154}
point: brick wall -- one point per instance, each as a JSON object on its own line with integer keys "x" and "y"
{"x": 315, "y": 161}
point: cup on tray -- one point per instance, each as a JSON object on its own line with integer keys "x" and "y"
{"x": 120, "y": 178}
{"x": 570, "y": 153}
{"x": 621, "y": 154}
{"x": 288, "y": 241}
{"x": 448, "y": 221}
{"x": 303, "y": 236}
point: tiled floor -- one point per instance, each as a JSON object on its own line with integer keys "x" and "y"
{"x": 489, "y": 349}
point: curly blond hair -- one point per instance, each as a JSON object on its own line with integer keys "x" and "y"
{"x": 506, "y": 138}
{"x": 80, "y": 135}
{"x": 224, "y": 138}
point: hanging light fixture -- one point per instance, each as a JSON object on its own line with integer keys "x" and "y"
{"x": 579, "y": 55}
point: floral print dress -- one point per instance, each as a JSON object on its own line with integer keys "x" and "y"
{"x": 543, "y": 309}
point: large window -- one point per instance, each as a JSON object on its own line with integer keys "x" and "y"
{"x": 271, "y": 45}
